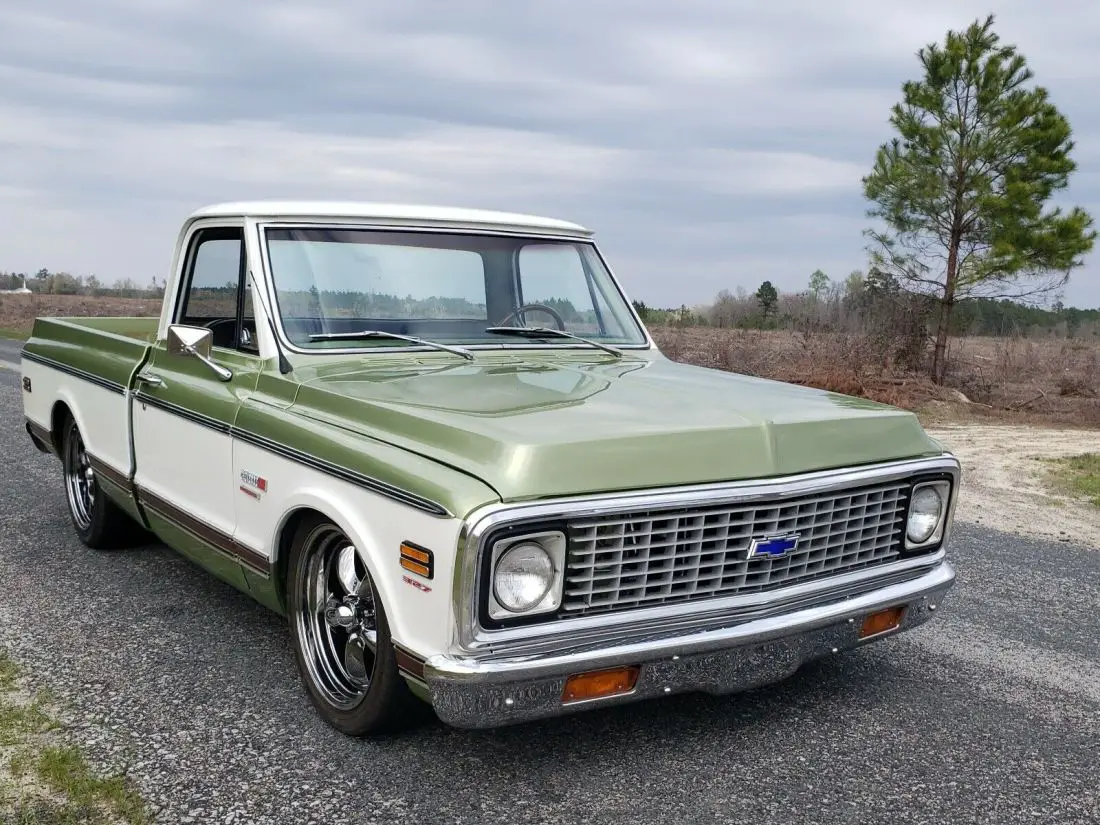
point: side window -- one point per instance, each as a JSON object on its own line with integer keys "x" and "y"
{"x": 213, "y": 286}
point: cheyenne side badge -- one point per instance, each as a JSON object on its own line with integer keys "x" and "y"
{"x": 252, "y": 484}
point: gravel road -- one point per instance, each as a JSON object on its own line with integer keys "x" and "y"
{"x": 989, "y": 714}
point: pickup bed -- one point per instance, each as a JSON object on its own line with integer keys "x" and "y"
{"x": 444, "y": 446}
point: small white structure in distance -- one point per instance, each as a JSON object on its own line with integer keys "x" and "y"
{"x": 20, "y": 291}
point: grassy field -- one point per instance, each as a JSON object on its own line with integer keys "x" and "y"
{"x": 43, "y": 780}
{"x": 1078, "y": 475}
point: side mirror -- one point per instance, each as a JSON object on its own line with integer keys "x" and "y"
{"x": 197, "y": 342}
{"x": 184, "y": 340}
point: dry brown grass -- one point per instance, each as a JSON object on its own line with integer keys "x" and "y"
{"x": 839, "y": 362}
{"x": 1052, "y": 380}
{"x": 17, "y": 312}
{"x": 1002, "y": 379}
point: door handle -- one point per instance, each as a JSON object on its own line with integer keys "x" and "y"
{"x": 148, "y": 378}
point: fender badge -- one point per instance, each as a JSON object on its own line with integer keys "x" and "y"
{"x": 253, "y": 484}
{"x": 421, "y": 587}
{"x": 26, "y": 384}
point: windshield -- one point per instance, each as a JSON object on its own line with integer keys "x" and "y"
{"x": 441, "y": 286}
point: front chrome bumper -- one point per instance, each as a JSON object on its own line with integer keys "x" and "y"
{"x": 490, "y": 691}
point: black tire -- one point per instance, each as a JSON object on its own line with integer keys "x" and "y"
{"x": 381, "y": 704}
{"x": 99, "y": 522}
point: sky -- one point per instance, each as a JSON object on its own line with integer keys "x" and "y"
{"x": 710, "y": 144}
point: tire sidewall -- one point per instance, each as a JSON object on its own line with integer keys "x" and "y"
{"x": 92, "y": 535}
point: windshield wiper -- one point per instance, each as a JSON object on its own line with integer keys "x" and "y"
{"x": 543, "y": 332}
{"x": 378, "y": 333}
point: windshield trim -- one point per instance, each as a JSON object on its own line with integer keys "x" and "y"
{"x": 528, "y": 344}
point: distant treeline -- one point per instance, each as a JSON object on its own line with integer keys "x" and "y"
{"x": 45, "y": 282}
{"x": 860, "y": 302}
{"x": 985, "y": 316}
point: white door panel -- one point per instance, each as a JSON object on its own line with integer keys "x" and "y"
{"x": 187, "y": 464}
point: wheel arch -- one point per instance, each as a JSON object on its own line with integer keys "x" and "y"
{"x": 58, "y": 415}
{"x": 284, "y": 539}
{"x": 420, "y": 617}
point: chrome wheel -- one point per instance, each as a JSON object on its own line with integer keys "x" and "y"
{"x": 335, "y": 619}
{"x": 80, "y": 484}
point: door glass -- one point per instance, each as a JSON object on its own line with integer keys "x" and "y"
{"x": 215, "y": 278}
{"x": 213, "y": 285}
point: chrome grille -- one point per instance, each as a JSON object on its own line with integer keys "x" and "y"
{"x": 657, "y": 556}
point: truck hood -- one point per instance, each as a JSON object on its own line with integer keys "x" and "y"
{"x": 532, "y": 427}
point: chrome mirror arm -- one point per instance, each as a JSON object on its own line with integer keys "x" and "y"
{"x": 223, "y": 373}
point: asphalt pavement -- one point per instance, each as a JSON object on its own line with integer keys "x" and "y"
{"x": 9, "y": 352}
{"x": 988, "y": 714}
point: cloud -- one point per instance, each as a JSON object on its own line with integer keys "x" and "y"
{"x": 709, "y": 144}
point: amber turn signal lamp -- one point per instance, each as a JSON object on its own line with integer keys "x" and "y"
{"x": 599, "y": 684}
{"x": 417, "y": 559}
{"x": 881, "y": 621}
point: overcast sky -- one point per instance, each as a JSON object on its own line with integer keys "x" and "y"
{"x": 709, "y": 143}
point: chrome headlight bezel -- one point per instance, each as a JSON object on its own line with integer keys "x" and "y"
{"x": 944, "y": 488}
{"x": 553, "y": 543}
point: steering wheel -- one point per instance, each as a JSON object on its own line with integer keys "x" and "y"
{"x": 214, "y": 324}
{"x": 522, "y": 310}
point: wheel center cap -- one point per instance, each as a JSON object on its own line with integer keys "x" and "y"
{"x": 344, "y": 613}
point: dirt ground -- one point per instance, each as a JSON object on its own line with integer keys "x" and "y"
{"x": 1003, "y": 485}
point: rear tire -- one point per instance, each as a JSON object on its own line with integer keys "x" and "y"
{"x": 341, "y": 637}
{"x": 99, "y": 522}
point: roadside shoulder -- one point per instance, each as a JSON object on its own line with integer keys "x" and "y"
{"x": 1005, "y": 483}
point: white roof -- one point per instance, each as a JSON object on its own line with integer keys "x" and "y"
{"x": 391, "y": 214}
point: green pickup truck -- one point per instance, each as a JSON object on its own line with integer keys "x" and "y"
{"x": 444, "y": 446}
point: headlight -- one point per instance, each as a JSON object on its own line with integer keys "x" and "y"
{"x": 927, "y": 512}
{"x": 527, "y": 575}
{"x": 523, "y": 577}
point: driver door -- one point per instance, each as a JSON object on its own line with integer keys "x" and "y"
{"x": 183, "y": 411}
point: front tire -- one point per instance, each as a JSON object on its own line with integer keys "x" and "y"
{"x": 99, "y": 522}
{"x": 341, "y": 638}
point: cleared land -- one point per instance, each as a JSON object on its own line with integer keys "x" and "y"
{"x": 17, "y": 312}
{"x": 1050, "y": 381}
